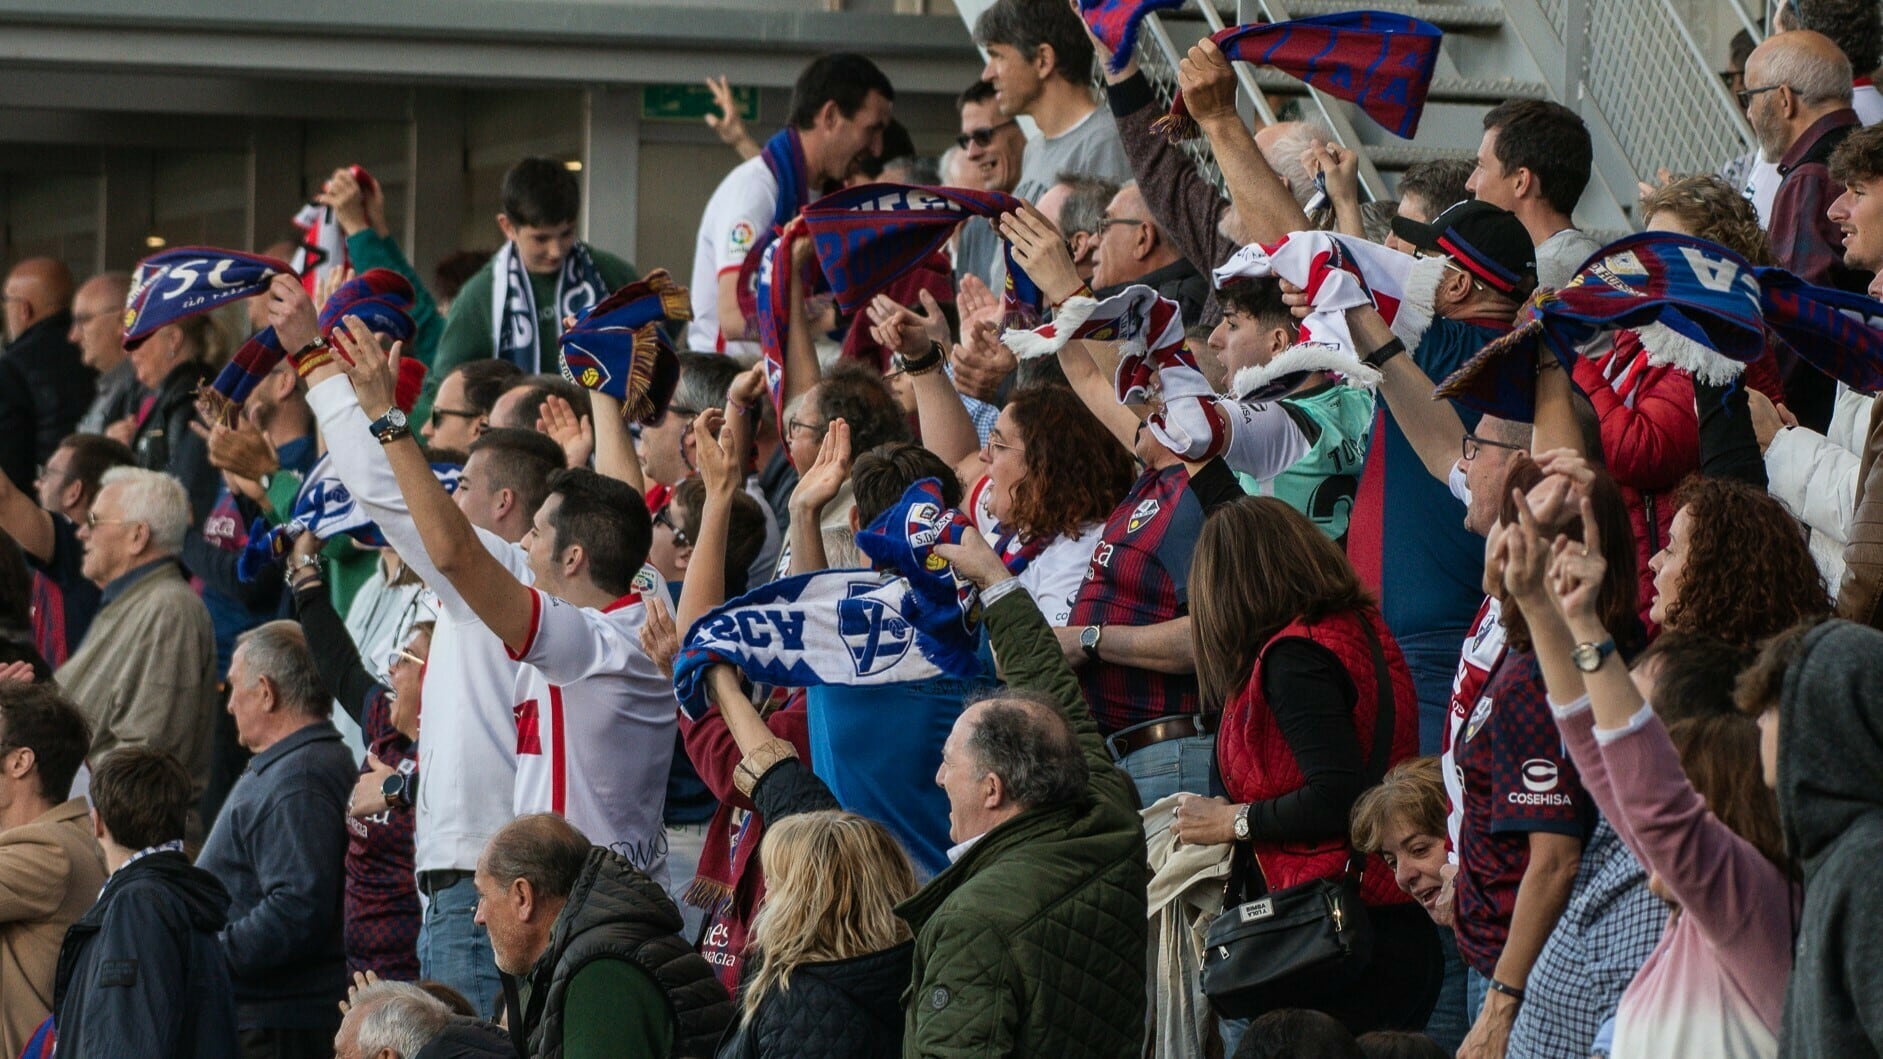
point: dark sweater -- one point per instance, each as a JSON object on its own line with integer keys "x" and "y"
{"x": 279, "y": 848}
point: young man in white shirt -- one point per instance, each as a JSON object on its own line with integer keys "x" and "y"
{"x": 467, "y": 761}
{"x": 594, "y": 716}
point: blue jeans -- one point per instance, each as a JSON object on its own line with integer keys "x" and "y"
{"x": 1452, "y": 1018}
{"x": 454, "y": 950}
{"x": 1163, "y": 769}
{"x": 1477, "y": 987}
{"x": 1433, "y": 659}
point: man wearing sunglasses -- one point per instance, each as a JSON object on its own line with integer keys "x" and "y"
{"x": 993, "y": 144}
{"x": 1039, "y": 61}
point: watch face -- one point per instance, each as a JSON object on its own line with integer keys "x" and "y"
{"x": 394, "y": 787}
{"x": 1587, "y": 656}
{"x": 1088, "y": 636}
{"x": 395, "y": 418}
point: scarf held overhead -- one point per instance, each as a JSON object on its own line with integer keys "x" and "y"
{"x": 1115, "y": 23}
{"x": 323, "y": 246}
{"x": 325, "y": 508}
{"x": 514, "y": 313}
{"x": 1378, "y": 61}
{"x": 1834, "y": 331}
{"x": 1695, "y": 305}
{"x": 174, "y": 285}
{"x": 619, "y": 349}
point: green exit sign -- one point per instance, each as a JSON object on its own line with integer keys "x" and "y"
{"x": 692, "y": 102}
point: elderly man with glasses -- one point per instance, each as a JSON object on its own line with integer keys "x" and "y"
{"x": 146, "y": 673}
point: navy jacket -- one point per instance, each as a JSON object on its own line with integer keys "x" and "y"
{"x": 142, "y": 972}
{"x": 44, "y": 388}
{"x": 280, "y": 848}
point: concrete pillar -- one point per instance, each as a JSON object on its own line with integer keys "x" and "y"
{"x": 124, "y": 208}
{"x": 611, "y": 162}
{"x": 434, "y": 206}
{"x": 276, "y": 180}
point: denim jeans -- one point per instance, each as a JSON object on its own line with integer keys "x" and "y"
{"x": 454, "y": 950}
{"x": 1433, "y": 659}
{"x": 1451, "y": 1019}
{"x": 1163, "y": 769}
{"x": 1477, "y": 987}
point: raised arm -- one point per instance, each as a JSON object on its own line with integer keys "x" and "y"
{"x": 504, "y": 604}
{"x": 614, "y": 449}
{"x": 801, "y": 367}
{"x": 25, "y": 521}
{"x": 1265, "y": 209}
{"x": 720, "y": 471}
{"x": 947, "y": 429}
{"x": 1432, "y": 425}
{"x": 816, "y": 488}
{"x": 336, "y": 657}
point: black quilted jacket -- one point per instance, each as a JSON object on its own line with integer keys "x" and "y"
{"x": 846, "y": 1009}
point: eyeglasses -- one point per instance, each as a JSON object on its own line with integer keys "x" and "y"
{"x": 662, "y": 518}
{"x": 461, "y": 413}
{"x": 93, "y": 521}
{"x": 1002, "y": 446}
{"x": 981, "y": 137}
{"x": 400, "y": 654}
{"x": 1745, "y": 94}
{"x": 794, "y": 425}
{"x": 1474, "y": 444}
{"x": 1106, "y": 224}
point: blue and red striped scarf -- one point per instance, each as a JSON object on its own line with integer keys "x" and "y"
{"x": 618, "y": 348}
{"x": 174, "y": 285}
{"x": 1378, "y": 61}
{"x": 1115, "y": 23}
{"x": 1834, "y": 331}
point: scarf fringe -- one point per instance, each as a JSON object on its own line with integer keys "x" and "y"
{"x": 1417, "y": 303}
{"x": 1176, "y": 126}
{"x": 710, "y": 895}
{"x": 1300, "y": 359}
{"x": 1028, "y": 345}
{"x": 676, "y": 303}
{"x": 1667, "y": 346}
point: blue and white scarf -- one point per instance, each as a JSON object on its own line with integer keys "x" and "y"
{"x": 325, "y": 508}
{"x": 513, "y": 312}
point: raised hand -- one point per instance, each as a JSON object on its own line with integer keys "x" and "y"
{"x": 1041, "y": 250}
{"x": 976, "y": 303}
{"x": 575, "y": 434}
{"x": 1208, "y": 83}
{"x": 1577, "y": 574}
{"x": 327, "y": 283}
{"x": 22, "y": 672}
{"x": 1338, "y": 167}
{"x": 721, "y": 467}
{"x": 1526, "y": 557}
{"x": 343, "y": 193}
{"x": 660, "y": 639}
{"x": 975, "y": 560}
{"x": 240, "y": 449}
{"x": 981, "y": 363}
{"x": 291, "y": 313}
{"x": 819, "y": 485}
{"x": 894, "y": 326}
{"x": 372, "y": 372}
{"x": 727, "y": 124}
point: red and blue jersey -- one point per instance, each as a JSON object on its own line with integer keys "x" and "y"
{"x": 1517, "y": 778}
{"x": 1139, "y": 575}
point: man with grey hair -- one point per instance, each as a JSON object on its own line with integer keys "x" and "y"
{"x": 1076, "y": 205}
{"x": 146, "y": 671}
{"x": 399, "y": 1020}
{"x": 1797, "y": 99}
{"x": 1134, "y": 249}
{"x": 279, "y": 848}
{"x": 97, "y": 318}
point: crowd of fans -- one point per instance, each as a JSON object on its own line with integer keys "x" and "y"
{"x": 1580, "y": 717}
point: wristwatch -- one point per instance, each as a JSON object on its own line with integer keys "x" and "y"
{"x": 391, "y": 427}
{"x": 1242, "y": 823}
{"x": 1590, "y": 656}
{"x": 398, "y": 790}
{"x": 1088, "y": 640}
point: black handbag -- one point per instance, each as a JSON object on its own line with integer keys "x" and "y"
{"x": 1287, "y": 948}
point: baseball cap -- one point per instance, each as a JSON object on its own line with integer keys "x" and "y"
{"x": 1489, "y": 243}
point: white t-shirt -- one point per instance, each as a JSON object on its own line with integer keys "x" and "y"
{"x": 1053, "y": 578}
{"x": 595, "y": 724}
{"x": 1484, "y": 648}
{"x": 467, "y": 758}
{"x": 739, "y": 212}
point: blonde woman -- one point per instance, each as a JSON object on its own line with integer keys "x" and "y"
{"x": 828, "y": 958}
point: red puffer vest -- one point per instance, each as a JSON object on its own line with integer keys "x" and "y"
{"x": 1257, "y": 764}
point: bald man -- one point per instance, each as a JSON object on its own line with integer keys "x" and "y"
{"x": 1797, "y": 98}
{"x": 97, "y": 319}
{"x": 44, "y": 383}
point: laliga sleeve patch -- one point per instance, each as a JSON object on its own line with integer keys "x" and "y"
{"x": 742, "y": 236}
{"x": 117, "y": 973}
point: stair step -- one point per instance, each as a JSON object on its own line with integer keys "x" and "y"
{"x": 1398, "y": 156}
{"x": 1446, "y": 16}
{"x": 1489, "y": 90}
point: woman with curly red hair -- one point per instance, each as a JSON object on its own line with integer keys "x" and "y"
{"x": 1736, "y": 566}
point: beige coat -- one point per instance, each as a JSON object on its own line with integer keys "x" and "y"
{"x": 146, "y": 673}
{"x": 50, "y": 873}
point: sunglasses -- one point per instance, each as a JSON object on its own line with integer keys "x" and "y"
{"x": 662, "y": 518}
{"x": 981, "y": 137}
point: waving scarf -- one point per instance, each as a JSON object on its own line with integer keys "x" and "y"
{"x": 1115, "y": 23}
{"x": 513, "y": 307}
{"x": 325, "y": 508}
{"x": 1834, "y": 331}
{"x": 174, "y": 285}
{"x": 618, "y": 348}
{"x": 1694, "y": 304}
{"x": 784, "y": 160}
{"x": 946, "y": 606}
{"x": 1378, "y": 61}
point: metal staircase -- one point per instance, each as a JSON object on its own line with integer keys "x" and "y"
{"x": 1630, "y": 68}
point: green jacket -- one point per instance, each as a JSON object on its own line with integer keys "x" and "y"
{"x": 369, "y": 250}
{"x": 1033, "y": 942}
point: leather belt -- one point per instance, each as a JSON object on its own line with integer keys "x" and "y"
{"x": 432, "y": 882}
{"x": 1124, "y": 743}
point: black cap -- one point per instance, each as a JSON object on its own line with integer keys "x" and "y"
{"x": 1488, "y": 242}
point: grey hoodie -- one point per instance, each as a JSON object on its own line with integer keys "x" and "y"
{"x": 1830, "y": 799}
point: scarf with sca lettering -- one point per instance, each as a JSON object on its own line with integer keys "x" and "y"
{"x": 1694, "y": 305}
{"x": 1115, "y": 23}
{"x": 380, "y": 297}
{"x": 911, "y": 618}
{"x": 174, "y": 285}
{"x": 513, "y": 309}
{"x": 618, "y": 348}
{"x": 323, "y": 242}
{"x": 325, "y": 508}
{"x": 1835, "y": 331}
{"x": 867, "y": 237}
{"x": 1378, "y": 61}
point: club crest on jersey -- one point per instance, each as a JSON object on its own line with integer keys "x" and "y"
{"x": 1143, "y": 513}
{"x": 1479, "y": 715}
{"x": 875, "y": 636}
